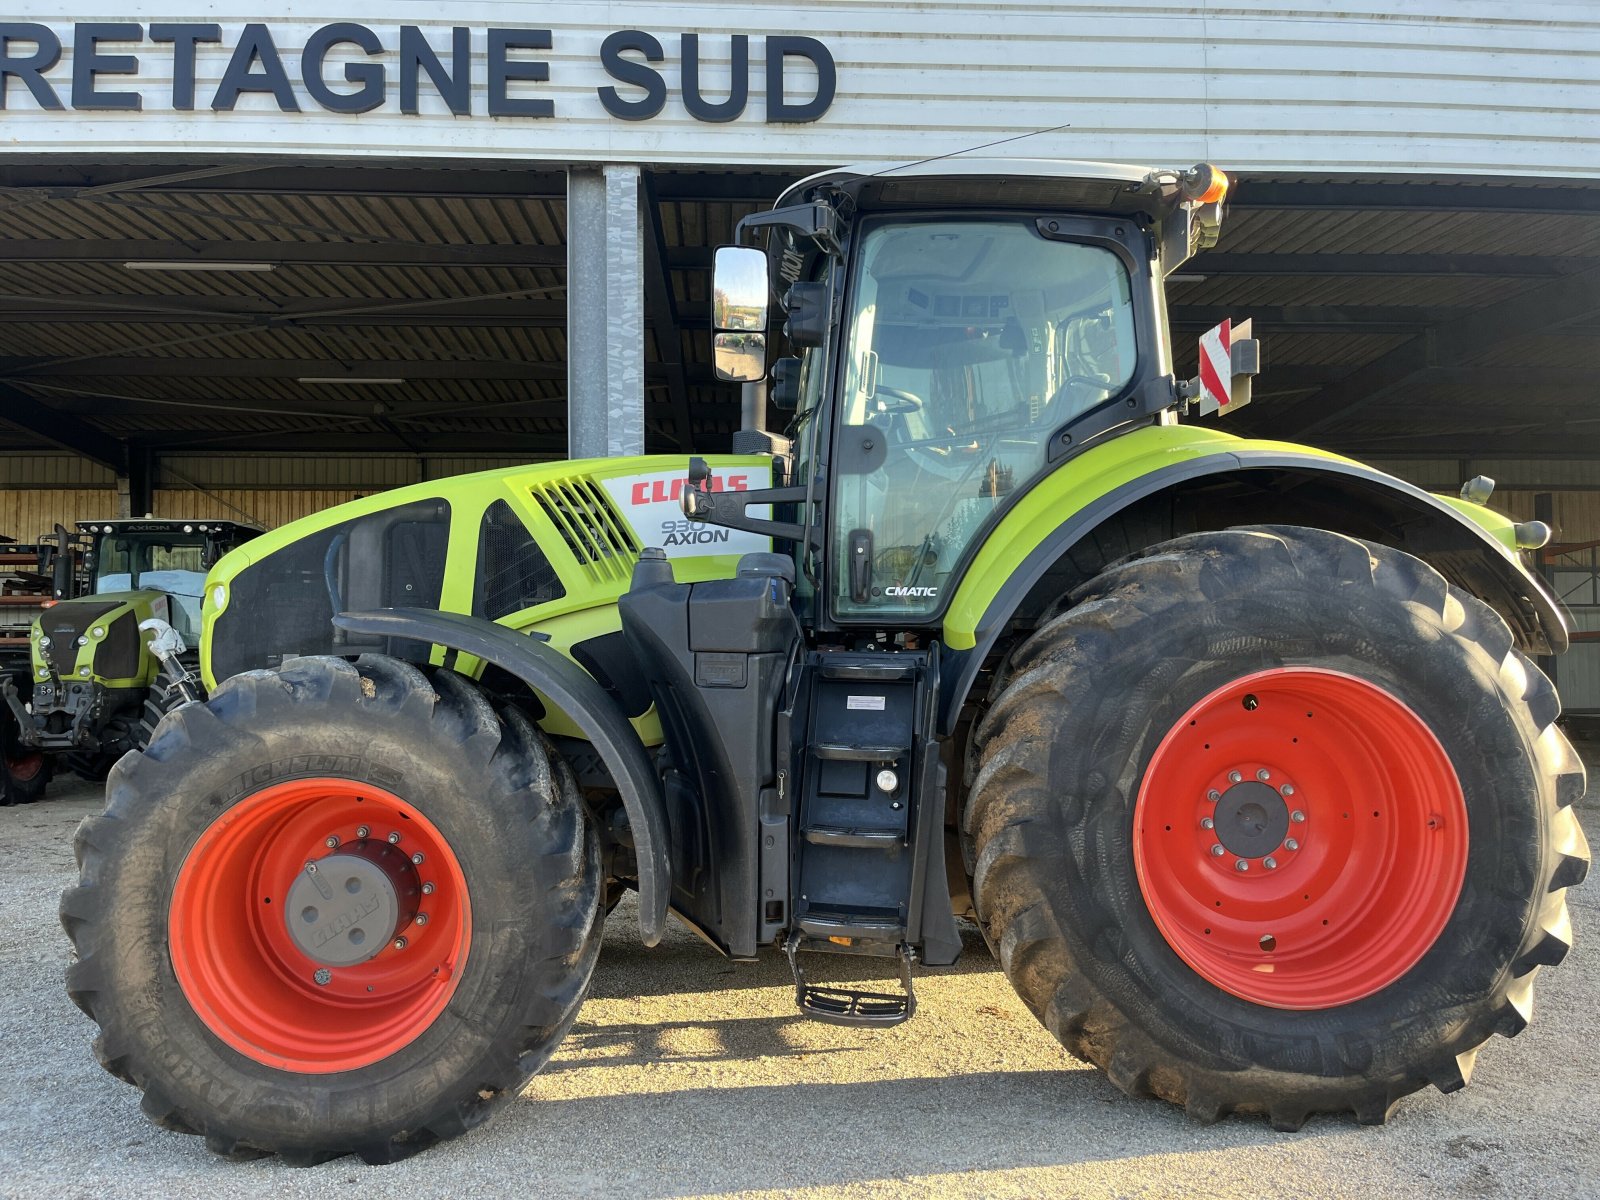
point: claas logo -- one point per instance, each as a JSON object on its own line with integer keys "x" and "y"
{"x": 660, "y": 491}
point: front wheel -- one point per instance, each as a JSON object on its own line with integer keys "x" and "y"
{"x": 337, "y": 908}
{"x": 1274, "y": 820}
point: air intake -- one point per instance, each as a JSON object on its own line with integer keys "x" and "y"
{"x": 594, "y": 531}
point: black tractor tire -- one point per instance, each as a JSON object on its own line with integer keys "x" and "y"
{"x": 518, "y": 872}
{"x": 92, "y": 766}
{"x": 161, "y": 698}
{"x": 27, "y": 771}
{"x": 1067, "y": 748}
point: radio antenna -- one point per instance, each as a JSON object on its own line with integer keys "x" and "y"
{"x": 970, "y": 149}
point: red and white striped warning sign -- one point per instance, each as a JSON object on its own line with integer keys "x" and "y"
{"x": 1216, "y": 368}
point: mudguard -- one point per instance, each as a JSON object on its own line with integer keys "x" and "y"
{"x": 596, "y": 714}
{"x": 1018, "y": 554}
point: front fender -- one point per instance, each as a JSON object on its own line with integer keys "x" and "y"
{"x": 597, "y": 715}
{"x": 1344, "y": 495}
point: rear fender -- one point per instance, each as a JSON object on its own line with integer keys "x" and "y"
{"x": 1240, "y": 483}
{"x": 599, "y": 717}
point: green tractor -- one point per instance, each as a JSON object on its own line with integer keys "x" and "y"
{"x": 94, "y": 690}
{"x": 1233, "y": 750}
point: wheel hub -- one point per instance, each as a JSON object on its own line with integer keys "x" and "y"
{"x": 347, "y": 907}
{"x": 1251, "y": 820}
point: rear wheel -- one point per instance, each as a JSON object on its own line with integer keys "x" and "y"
{"x": 335, "y": 909}
{"x": 27, "y": 771}
{"x": 1274, "y": 820}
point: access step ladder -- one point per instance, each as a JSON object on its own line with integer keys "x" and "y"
{"x": 871, "y": 809}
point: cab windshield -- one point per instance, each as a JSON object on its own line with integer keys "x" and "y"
{"x": 968, "y": 343}
{"x": 157, "y": 563}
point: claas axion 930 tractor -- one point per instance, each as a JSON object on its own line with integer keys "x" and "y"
{"x": 1232, "y": 749}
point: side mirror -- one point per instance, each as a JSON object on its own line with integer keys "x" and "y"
{"x": 739, "y": 312}
{"x": 740, "y": 357}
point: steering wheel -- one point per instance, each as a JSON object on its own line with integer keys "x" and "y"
{"x": 895, "y": 400}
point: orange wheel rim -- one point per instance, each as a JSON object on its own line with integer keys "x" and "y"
{"x": 1300, "y": 838}
{"x": 319, "y": 925}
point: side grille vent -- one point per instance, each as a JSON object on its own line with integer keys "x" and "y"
{"x": 599, "y": 538}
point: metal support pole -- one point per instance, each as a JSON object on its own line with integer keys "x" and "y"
{"x": 605, "y": 312}
{"x": 136, "y": 487}
{"x": 753, "y": 405}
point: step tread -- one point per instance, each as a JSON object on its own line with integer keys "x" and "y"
{"x": 866, "y": 837}
{"x": 852, "y": 752}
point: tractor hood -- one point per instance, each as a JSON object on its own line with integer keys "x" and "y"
{"x": 96, "y": 636}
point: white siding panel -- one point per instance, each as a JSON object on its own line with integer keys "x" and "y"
{"x": 1296, "y": 85}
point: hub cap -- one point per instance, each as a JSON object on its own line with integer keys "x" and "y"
{"x": 24, "y": 768}
{"x": 319, "y": 925}
{"x": 1300, "y": 838}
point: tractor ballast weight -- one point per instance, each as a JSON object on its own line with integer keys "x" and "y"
{"x": 989, "y": 632}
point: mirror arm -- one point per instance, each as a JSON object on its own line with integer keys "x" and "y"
{"x": 713, "y": 508}
{"x": 816, "y": 221}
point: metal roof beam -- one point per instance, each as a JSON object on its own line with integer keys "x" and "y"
{"x": 395, "y": 179}
{"x": 1516, "y": 266}
{"x": 62, "y": 429}
{"x": 1497, "y": 197}
{"x": 250, "y": 311}
{"x": 316, "y": 254}
{"x": 1315, "y": 318}
{"x": 22, "y": 369}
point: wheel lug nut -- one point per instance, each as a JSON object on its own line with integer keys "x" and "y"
{"x": 1213, "y": 795}
{"x": 399, "y": 943}
{"x": 1291, "y": 844}
{"x": 1217, "y": 851}
{"x": 1270, "y": 863}
{"x": 427, "y": 889}
{"x": 323, "y": 976}
{"x": 1297, "y": 816}
{"x": 311, "y": 868}
{"x": 1241, "y": 865}
{"x": 332, "y": 843}
{"x": 1263, "y": 775}
{"x": 1206, "y": 823}
{"x": 394, "y": 839}
{"x": 416, "y": 859}
{"x": 422, "y": 918}
{"x": 1234, "y": 777}
{"x": 362, "y": 831}
{"x": 1287, "y": 789}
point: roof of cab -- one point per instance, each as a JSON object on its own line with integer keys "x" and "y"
{"x": 964, "y": 180}
{"x": 965, "y": 166}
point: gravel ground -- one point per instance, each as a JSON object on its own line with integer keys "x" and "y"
{"x": 687, "y": 1075}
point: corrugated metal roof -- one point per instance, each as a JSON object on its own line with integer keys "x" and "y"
{"x": 452, "y": 281}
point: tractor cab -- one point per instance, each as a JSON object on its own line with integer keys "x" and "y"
{"x": 955, "y": 331}
{"x": 163, "y": 556}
